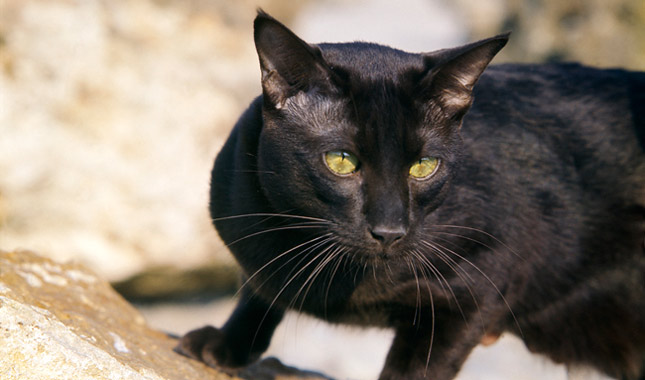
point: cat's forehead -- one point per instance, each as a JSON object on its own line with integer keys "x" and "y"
{"x": 371, "y": 60}
{"x": 319, "y": 113}
{"x": 372, "y": 96}
{"x": 352, "y": 121}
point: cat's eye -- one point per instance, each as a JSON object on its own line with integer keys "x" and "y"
{"x": 341, "y": 162}
{"x": 424, "y": 168}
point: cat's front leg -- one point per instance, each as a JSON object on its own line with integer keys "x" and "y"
{"x": 419, "y": 353}
{"x": 242, "y": 339}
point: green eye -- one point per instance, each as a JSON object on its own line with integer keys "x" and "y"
{"x": 424, "y": 168}
{"x": 341, "y": 162}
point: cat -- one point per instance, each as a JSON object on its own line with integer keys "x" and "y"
{"x": 432, "y": 195}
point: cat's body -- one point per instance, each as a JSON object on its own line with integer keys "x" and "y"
{"x": 531, "y": 221}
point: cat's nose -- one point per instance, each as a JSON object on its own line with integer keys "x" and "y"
{"x": 387, "y": 235}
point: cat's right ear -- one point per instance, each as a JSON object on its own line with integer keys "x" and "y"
{"x": 288, "y": 64}
{"x": 452, "y": 74}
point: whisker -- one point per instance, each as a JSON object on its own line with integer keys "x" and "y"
{"x": 325, "y": 236}
{"x": 490, "y": 281}
{"x": 267, "y": 216}
{"x": 358, "y": 271}
{"x": 427, "y": 265}
{"x": 276, "y": 229}
{"x": 452, "y": 264}
{"x": 475, "y": 240}
{"x": 284, "y": 288}
{"x": 388, "y": 272}
{"x": 374, "y": 263}
{"x": 271, "y": 215}
{"x": 449, "y": 260}
{"x": 331, "y": 278}
{"x": 292, "y": 278}
{"x": 313, "y": 275}
{"x": 311, "y": 249}
{"x": 432, "y": 310}
{"x": 305, "y": 254}
{"x": 417, "y": 312}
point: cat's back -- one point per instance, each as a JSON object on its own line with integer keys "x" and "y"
{"x": 588, "y": 122}
{"x": 590, "y": 100}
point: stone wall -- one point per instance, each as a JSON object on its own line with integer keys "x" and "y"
{"x": 604, "y": 33}
{"x": 61, "y": 321}
{"x": 117, "y": 109}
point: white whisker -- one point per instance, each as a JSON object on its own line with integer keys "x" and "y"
{"x": 340, "y": 260}
{"x": 314, "y": 274}
{"x": 276, "y": 229}
{"x": 427, "y": 264}
{"x": 477, "y": 241}
{"x": 450, "y": 262}
{"x": 270, "y": 215}
{"x": 490, "y": 281}
{"x": 325, "y": 237}
{"x": 432, "y": 310}
{"x": 417, "y": 312}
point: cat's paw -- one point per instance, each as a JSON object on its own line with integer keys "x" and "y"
{"x": 209, "y": 345}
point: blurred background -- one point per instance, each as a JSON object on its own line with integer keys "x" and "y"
{"x": 111, "y": 112}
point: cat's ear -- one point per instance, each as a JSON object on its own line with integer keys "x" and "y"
{"x": 452, "y": 73}
{"x": 288, "y": 64}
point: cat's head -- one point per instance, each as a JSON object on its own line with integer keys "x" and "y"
{"x": 360, "y": 134}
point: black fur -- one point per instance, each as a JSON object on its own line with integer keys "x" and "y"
{"x": 533, "y": 223}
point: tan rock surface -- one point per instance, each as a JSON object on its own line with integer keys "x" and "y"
{"x": 604, "y": 33}
{"x": 121, "y": 107}
{"x": 63, "y": 322}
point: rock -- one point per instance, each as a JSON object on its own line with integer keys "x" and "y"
{"x": 605, "y": 33}
{"x": 121, "y": 107}
{"x": 164, "y": 284}
{"x": 60, "y": 321}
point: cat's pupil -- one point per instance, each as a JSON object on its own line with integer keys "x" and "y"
{"x": 424, "y": 168}
{"x": 341, "y": 162}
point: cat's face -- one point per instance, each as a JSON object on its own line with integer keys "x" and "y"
{"x": 361, "y": 135}
{"x": 372, "y": 165}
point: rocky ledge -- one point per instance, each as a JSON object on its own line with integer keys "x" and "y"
{"x": 60, "y": 321}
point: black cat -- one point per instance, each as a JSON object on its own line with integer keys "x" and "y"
{"x": 365, "y": 186}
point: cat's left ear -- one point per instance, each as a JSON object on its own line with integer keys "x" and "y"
{"x": 288, "y": 63}
{"x": 452, "y": 73}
